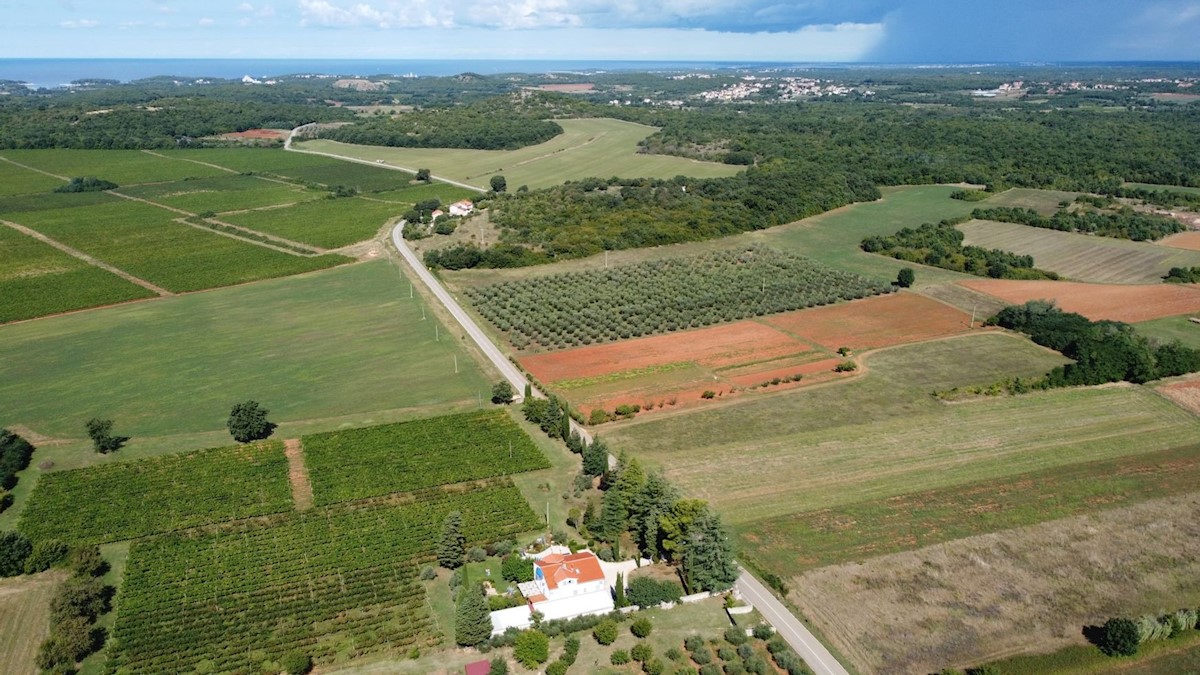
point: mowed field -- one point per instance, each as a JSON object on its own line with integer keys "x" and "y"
{"x": 1081, "y": 257}
{"x": 1115, "y": 302}
{"x": 586, "y": 148}
{"x": 25, "y": 619}
{"x": 1173, "y": 328}
{"x": 664, "y": 371}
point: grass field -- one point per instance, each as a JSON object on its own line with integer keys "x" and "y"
{"x": 1081, "y": 257}
{"x": 326, "y": 223}
{"x": 375, "y": 461}
{"x": 123, "y": 167}
{"x": 1043, "y": 201}
{"x": 125, "y": 500}
{"x": 1028, "y": 590}
{"x": 337, "y": 343}
{"x": 1173, "y": 188}
{"x": 25, "y": 620}
{"x": 1172, "y": 328}
{"x": 38, "y": 279}
{"x": 222, "y": 193}
{"x": 587, "y": 147}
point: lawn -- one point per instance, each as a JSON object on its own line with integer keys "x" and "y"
{"x": 38, "y": 279}
{"x": 1081, "y": 257}
{"x": 25, "y": 619}
{"x": 326, "y": 223}
{"x": 339, "y": 343}
{"x": 587, "y": 147}
{"x": 125, "y": 500}
{"x": 123, "y": 167}
{"x": 1172, "y": 328}
{"x": 141, "y": 239}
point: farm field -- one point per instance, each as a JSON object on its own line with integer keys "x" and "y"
{"x": 1026, "y": 590}
{"x": 1081, "y": 257}
{"x": 586, "y": 148}
{"x": 126, "y": 500}
{"x": 336, "y": 582}
{"x": 1044, "y": 202}
{"x": 448, "y": 194}
{"x": 16, "y": 180}
{"x": 123, "y": 167}
{"x": 656, "y": 297}
{"x": 677, "y": 368}
{"x": 38, "y": 279}
{"x": 1172, "y": 328}
{"x": 25, "y": 619}
{"x": 222, "y": 193}
{"x": 373, "y": 461}
{"x": 1189, "y": 241}
{"x": 342, "y": 342}
{"x": 1186, "y": 393}
{"x": 1128, "y": 303}
{"x": 326, "y": 223}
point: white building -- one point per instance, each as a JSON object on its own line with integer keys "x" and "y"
{"x": 463, "y": 208}
{"x": 563, "y": 587}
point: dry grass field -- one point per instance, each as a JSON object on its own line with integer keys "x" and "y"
{"x": 1027, "y": 590}
{"x": 1043, "y": 201}
{"x": 1081, "y": 257}
{"x": 24, "y": 619}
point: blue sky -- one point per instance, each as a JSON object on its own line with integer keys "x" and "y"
{"x": 908, "y": 31}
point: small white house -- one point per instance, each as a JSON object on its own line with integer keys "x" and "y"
{"x": 462, "y": 208}
{"x": 563, "y": 587}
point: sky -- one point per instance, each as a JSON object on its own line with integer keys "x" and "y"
{"x": 879, "y": 31}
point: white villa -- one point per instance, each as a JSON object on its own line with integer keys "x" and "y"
{"x": 462, "y": 208}
{"x": 563, "y": 587}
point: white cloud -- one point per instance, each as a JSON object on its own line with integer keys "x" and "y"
{"x": 79, "y": 23}
{"x": 245, "y": 7}
{"x": 206, "y": 22}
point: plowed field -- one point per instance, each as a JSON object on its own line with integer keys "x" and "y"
{"x": 875, "y": 322}
{"x": 1097, "y": 301}
{"x": 1185, "y": 240}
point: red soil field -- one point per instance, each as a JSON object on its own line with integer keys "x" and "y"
{"x": 880, "y": 321}
{"x": 255, "y": 134}
{"x": 1185, "y": 240}
{"x": 1098, "y": 301}
{"x": 1186, "y": 394}
{"x": 714, "y": 347}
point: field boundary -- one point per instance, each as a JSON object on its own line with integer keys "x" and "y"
{"x": 88, "y": 259}
{"x": 30, "y": 168}
{"x": 302, "y": 492}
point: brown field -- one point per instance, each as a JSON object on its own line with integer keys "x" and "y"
{"x": 568, "y": 88}
{"x": 1184, "y": 240}
{"x": 1027, "y": 590}
{"x": 881, "y": 321}
{"x": 24, "y": 619}
{"x": 259, "y": 134}
{"x": 1098, "y": 301}
{"x": 1186, "y": 394}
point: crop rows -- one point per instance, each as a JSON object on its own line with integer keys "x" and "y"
{"x": 124, "y": 500}
{"x": 580, "y": 308}
{"x": 330, "y": 580}
{"x": 373, "y": 461}
{"x": 327, "y": 223}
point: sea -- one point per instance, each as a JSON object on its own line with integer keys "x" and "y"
{"x": 53, "y": 73}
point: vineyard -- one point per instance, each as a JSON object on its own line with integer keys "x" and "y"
{"x": 373, "y": 461}
{"x": 334, "y": 581}
{"x": 112, "y": 502}
{"x": 327, "y": 223}
{"x": 580, "y": 308}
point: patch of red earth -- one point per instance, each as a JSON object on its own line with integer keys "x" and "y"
{"x": 714, "y": 347}
{"x": 1186, "y": 394}
{"x": 875, "y": 322}
{"x": 1185, "y": 240}
{"x": 259, "y": 134}
{"x": 1097, "y": 301}
{"x": 807, "y": 370}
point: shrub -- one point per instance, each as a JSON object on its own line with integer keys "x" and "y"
{"x": 675, "y": 654}
{"x": 727, "y": 653}
{"x": 745, "y": 651}
{"x": 628, "y": 409}
{"x": 499, "y": 666}
{"x": 14, "y": 549}
{"x": 556, "y": 668}
{"x": 701, "y": 655}
{"x": 296, "y": 663}
{"x": 906, "y": 277}
{"x": 605, "y": 632}
{"x": 710, "y": 669}
{"x": 531, "y": 648}
{"x": 763, "y": 631}
{"x": 641, "y": 627}
{"x": 570, "y": 650}
{"x": 503, "y": 393}
{"x": 515, "y": 568}
{"x": 46, "y": 554}
{"x": 734, "y": 668}
{"x": 693, "y": 642}
{"x": 597, "y": 416}
{"x": 845, "y": 367}
{"x": 619, "y": 657}
{"x": 735, "y": 635}
{"x": 477, "y": 554}
{"x": 708, "y": 393}
{"x": 654, "y": 667}
{"x": 642, "y": 651}
{"x": 428, "y": 573}
{"x": 647, "y": 592}
{"x": 1119, "y": 637}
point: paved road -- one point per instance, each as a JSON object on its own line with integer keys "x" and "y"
{"x": 788, "y": 626}
{"x": 287, "y": 145}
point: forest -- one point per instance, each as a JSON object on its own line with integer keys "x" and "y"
{"x": 941, "y": 245}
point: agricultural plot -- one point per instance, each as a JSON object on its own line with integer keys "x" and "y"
{"x": 373, "y": 461}
{"x": 38, "y": 279}
{"x": 1044, "y": 202}
{"x": 1186, "y": 394}
{"x": 344, "y": 342}
{"x": 1081, "y": 257}
{"x": 586, "y": 148}
{"x": 17, "y": 180}
{"x": 310, "y": 169}
{"x": 661, "y": 296}
{"x": 1172, "y": 328}
{"x": 446, "y": 193}
{"x": 1115, "y": 302}
{"x": 874, "y": 322}
{"x": 1188, "y": 241}
{"x": 123, "y": 167}
{"x": 326, "y": 223}
{"x": 142, "y": 240}
{"x": 222, "y": 193}
{"x": 25, "y": 620}
{"x": 125, "y": 500}
{"x": 331, "y": 582}
{"x": 1028, "y": 590}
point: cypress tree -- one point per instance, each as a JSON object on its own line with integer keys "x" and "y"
{"x": 708, "y": 556}
{"x": 452, "y": 547}
{"x": 620, "y": 591}
{"x": 472, "y": 621}
{"x": 528, "y": 391}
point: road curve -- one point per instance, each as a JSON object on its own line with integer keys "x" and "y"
{"x": 788, "y": 626}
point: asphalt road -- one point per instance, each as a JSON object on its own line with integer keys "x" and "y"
{"x": 788, "y": 626}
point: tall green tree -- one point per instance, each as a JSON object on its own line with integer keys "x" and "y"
{"x": 472, "y": 621}
{"x": 503, "y": 393}
{"x": 595, "y": 458}
{"x": 676, "y": 523}
{"x": 103, "y": 439}
{"x": 708, "y": 563}
{"x": 248, "y": 422}
{"x": 498, "y": 183}
{"x": 647, "y": 507}
{"x": 452, "y": 546}
{"x": 531, "y": 648}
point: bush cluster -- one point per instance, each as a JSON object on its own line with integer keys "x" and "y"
{"x": 1123, "y": 224}
{"x": 647, "y": 592}
{"x": 74, "y": 610}
{"x": 941, "y": 245}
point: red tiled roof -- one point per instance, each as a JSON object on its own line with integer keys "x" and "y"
{"x": 582, "y": 567}
{"x": 479, "y": 668}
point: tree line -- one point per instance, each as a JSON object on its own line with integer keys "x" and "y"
{"x": 1123, "y": 224}
{"x": 941, "y": 245}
